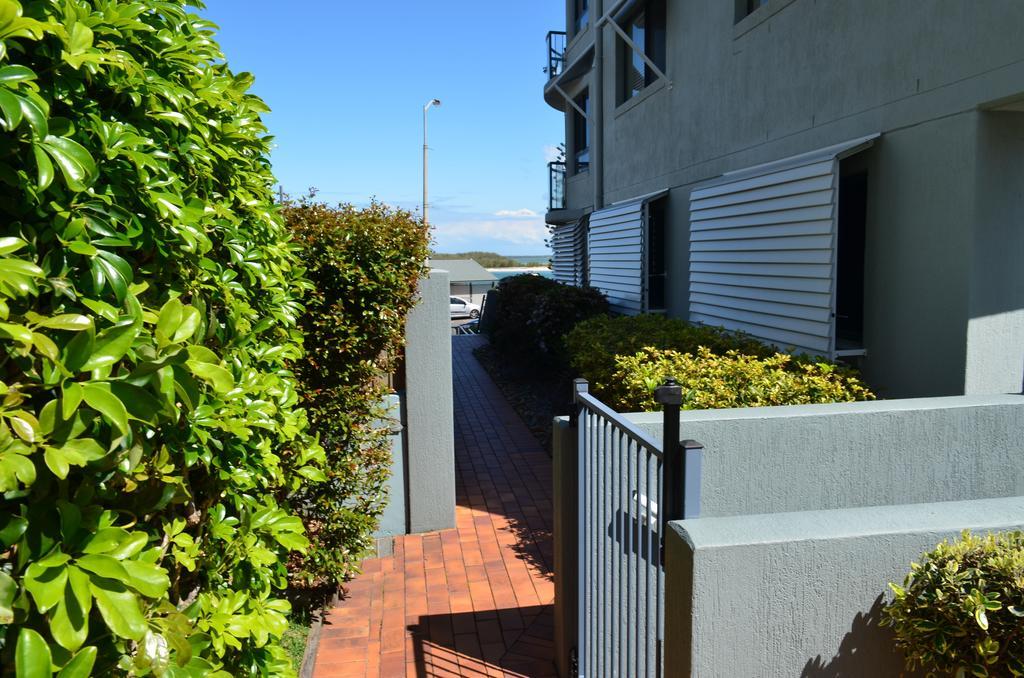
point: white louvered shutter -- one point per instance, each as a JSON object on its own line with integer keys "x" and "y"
{"x": 616, "y": 253}
{"x": 563, "y": 253}
{"x": 763, "y": 249}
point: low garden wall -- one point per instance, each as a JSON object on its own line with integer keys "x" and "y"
{"x": 806, "y": 513}
{"x": 800, "y": 594}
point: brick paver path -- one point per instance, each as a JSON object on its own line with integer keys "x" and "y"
{"x": 473, "y": 601}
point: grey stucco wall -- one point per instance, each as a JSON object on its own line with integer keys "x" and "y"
{"x": 429, "y": 410}
{"x": 811, "y": 457}
{"x": 995, "y": 326}
{"x": 393, "y": 520}
{"x": 944, "y": 198}
{"x": 799, "y": 594}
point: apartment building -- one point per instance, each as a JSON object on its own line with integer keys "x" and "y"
{"x": 838, "y": 177}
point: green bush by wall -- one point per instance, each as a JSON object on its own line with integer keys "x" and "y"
{"x": 960, "y": 611}
{"x": 532, "y": 314}
{"x": 733, "y": 379}
{"x": 365, "y": 264}
{"x": 593, "y": 344}
{"x": 149, "y": 428}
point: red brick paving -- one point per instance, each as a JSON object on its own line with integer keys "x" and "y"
{"x": 473, "y": 601}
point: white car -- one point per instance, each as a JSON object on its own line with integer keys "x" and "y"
{"x": 463, "y": 309}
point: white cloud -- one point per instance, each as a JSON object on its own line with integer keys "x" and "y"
{"x": 552, "y": 153}
{"x": 516, "y": 232}
{"x": 516, "y": 213}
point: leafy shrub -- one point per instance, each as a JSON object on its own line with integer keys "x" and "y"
{"x": 730, "y": 380}
{"x": 149, "y": 428}
{"x": 365, "y": 264}
{"x": 593, "y": 344}
{"x": 959, "y": 611}
{"x": 533, "y": 313}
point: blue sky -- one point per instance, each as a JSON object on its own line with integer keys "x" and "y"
{"x": 347, "y": 82}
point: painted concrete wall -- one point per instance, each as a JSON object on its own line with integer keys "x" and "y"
{"x": 995, "y": 326}
{"x": 799, "y": 594}
{"x": 945, "y": 179}
{"x": 812, "y": 457}
{"x": 393, "y": 520}
{"x": 429, "y": 412}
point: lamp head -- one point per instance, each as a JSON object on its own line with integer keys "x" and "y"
{"x": 432, "y": 102}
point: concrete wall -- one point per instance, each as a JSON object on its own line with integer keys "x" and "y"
{"x": 995, "y": 326}
{"x": 811, "y": 457}
{"x": 393, "y": 520}
{"x": 800, "y": 594}
{"x": 944, "y": 193}
{"x": 429, "y": 412}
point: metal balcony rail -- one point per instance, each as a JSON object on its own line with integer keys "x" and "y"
{"x": 556, "y": 54}
{"x": 556, "y": 185}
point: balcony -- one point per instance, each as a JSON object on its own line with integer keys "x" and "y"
{"x": 556, "y": 186}
{"x": 556, "y": 54}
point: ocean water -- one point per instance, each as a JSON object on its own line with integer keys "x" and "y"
{"x": 499, "y": 274}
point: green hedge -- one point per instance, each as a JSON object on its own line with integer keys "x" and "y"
{"x": 733, "y": 379}
{"x": 149, "y": 428}
{"x": 625, "y": 357}
{"x": 593, "y": 345}
{"x": 530, "y": 315}
{"x": 365, "y": 264}
{"x": 960, "y": 611}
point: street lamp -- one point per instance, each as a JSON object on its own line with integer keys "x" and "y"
{"x": 432, "y": 102}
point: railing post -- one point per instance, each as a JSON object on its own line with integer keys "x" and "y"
{"x": 579, "y": 386}
{"x": 670, "y": 396}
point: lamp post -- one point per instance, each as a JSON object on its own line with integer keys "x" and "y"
{"x": 432, "y": 102}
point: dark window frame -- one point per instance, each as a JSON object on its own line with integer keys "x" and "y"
{"x": 647, "y": 24}
{"x": 581, "y": 134}
{"x": 581, "y": 15}
{"x": 656, "y": 254}
{"x": 745, "y": 8}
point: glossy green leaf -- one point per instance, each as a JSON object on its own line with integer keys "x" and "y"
{"x": 36, "y": 118}
{"x": 72, "y": 397}
{"x": 10, "y": 109}
{"x": 44, "y": 168}
{"x": 13, "y": 74}
{"x": 215, "y": 375}
{"x": 80, "y": 665}
{"x": 11, "y": 244}
{"x": 32, "y": 656}
{"x": 119, "y": 608}
{"x": 111, "y": 345}
{"x": 99, "y": 397}
{"x": 71, "y": 322}
{"x": 46, "y": 584}
{"x": 72, "y": 158}
{"x": 8, "y": 592}
{"x": 149, "y": 580}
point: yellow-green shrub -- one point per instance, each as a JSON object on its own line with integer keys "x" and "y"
{"x": 960, "y": 610}
{"x": 731, "y": 380}
{"x": 593, "y": 344}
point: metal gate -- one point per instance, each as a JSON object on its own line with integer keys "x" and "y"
{"x": 630, "y": 487}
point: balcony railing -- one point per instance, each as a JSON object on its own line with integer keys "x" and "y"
{"x": 556, "y": 185}
{"x": 556, "y": 54}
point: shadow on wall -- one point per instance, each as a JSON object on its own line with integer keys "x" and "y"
{"x": 868, "y": 644}
{"x": 514, "y": 641}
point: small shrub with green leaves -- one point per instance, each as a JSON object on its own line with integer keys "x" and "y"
{"x": 534, "y": 313}
{"x": 150, "y": 432}
{"x": 593, "y": 344}
{"x": 734, "y": 379}
{"x": 960, "y": 611}
{"x": 366, "y": 264}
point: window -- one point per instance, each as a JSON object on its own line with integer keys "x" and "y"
{"x": 580, "y": 14}
{"x": 581, "y": 134}
{"x": 646, "y": 29}
{"x": 745, "y": 8}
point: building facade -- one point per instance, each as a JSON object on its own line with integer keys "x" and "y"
{"x": 841, "y": 178}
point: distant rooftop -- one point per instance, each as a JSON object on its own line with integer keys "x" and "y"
{"x": 463, "y": 270}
